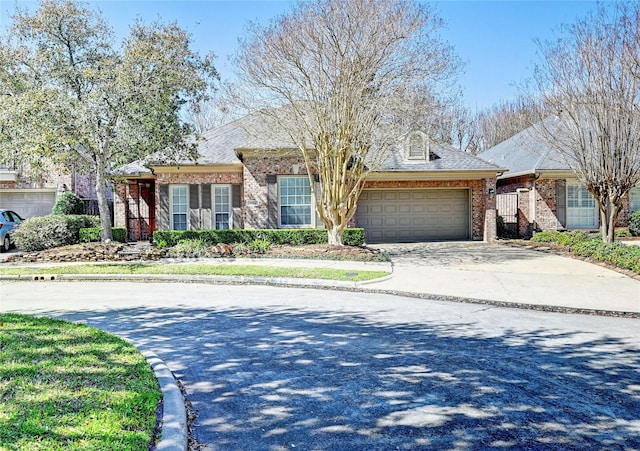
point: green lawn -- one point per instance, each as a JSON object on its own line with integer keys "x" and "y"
{"x": 65, "y": 386}
{"x": 202, "y": 269}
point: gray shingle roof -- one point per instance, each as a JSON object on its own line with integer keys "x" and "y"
{"x": 526, "y": 152}
{"x": 218, "y": 147}
{"x": 449, "y": 159}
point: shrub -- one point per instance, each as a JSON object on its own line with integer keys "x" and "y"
{"x": 616, "y": 254}
{"x": 68, "y": 204}
{"x": 259, "y": 246}
{"x": 43, "y": 232}
{"x": 46, "y": 232}
{"x": 584, "y": 245}
{"x": 89, "y": 234}
{"x": 190, "y": 248}
{"x": 352, "y": 237}
{"x": 562, "y": 238}
{"x": 634, "y": 223}
{"x": 503, "y": 231}
{"x": 622, "y": 233}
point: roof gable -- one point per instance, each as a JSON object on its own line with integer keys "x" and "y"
{"x": 525, "y": 153}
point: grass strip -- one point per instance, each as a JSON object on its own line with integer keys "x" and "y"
{"x": 67, "y": 386}
{"x": 203, "y": 269}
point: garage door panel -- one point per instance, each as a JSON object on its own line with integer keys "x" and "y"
{"x": 414, "y": 215}
{"x": 28, "y": 203}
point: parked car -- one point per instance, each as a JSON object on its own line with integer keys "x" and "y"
{"x": 9, "y": 220}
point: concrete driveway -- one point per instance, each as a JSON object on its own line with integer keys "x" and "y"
{"x": 280, "y": 369}
{"x": 509, "y": 274}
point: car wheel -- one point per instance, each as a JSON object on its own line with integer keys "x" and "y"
{"x": 6, "y": 244}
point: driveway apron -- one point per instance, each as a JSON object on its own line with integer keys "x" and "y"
{"x": 269, "y": 368}
{"x": 509, "y": 274}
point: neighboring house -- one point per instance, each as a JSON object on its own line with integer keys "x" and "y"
{"x": 540, "y": 192}
{"x": 425, "y": 191}
{"x": 31, "y": 198}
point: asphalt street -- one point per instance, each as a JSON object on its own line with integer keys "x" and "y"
{"x": 281, "y": 368}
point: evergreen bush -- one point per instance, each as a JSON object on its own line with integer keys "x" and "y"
{"x": 68, "y": 204}
{"x": 92, "y": 234}
{"x": 46, "y": 232}
{"x": 634, "y": 223}
{"x": 351, "y": 237}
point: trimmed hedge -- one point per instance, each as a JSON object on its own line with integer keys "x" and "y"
{"x": 591, "y": 246}
{"x": 351, "y": 237}
{"x": 95, "y": 234}
{"x": 46, "y": 232}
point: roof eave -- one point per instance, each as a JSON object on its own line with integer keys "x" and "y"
{"x": 468, "y": 174}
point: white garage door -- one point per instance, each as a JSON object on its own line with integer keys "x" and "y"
{"x": 414, "y": 215}
{"x": 27, "y": 202}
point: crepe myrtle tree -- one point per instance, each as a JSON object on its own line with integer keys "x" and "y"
{"x": 69, "y": 95}
{"x": 591, "y": 80}
{"x": 335, "y": 77}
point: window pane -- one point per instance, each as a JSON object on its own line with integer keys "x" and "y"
{"x": 295, "y": 201}
{"x": 581, "y": 207}
{"x": 222, "y": 207}
{"x": 179, "y": 207}
{"x": 635, "y": 199}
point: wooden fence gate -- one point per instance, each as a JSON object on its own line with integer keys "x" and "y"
{"x": 141, "y": 221}
{"x": 507, "y": 206}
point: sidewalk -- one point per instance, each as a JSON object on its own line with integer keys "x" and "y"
{"x": 475, "y": 271}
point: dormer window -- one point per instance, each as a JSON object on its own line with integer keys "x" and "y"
{"x": 417, "y": 146}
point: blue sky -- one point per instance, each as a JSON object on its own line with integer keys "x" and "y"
{"x": 494, "y": 38}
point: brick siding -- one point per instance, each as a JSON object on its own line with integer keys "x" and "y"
{"x": 546, "y": 209}
{"x": 254, "y": 207}
{"x": 256, "y": 169}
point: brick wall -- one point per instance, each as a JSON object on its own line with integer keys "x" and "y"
{"x": 545, "y": 205}
{"x": 546, "y": 208}
{"x": 511, "y": 185}
{"x": 120, "y": 205}
{"x": 179, "y": 178}
{"x": 256, "y": 169}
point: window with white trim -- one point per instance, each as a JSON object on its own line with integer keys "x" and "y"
{"x": 581, "y": 207}
{"x": 222, "y": 206}
{"x": 179, "y": 207}
{"x": 296, "y": 201}
{"x": 634, "y": 199}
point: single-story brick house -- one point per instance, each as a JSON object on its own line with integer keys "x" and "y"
{"x": 540, "y": 192}
{"x": 425, "y": 191}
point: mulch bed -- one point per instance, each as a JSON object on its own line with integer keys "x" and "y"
{"x": 114, "y": 251}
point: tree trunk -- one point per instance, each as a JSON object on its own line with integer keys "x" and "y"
{"x": 334, "y": 235}
{"x": 103, "y": 203}
{"x": 608, "y": 218}
{"x": 604, "y": 226}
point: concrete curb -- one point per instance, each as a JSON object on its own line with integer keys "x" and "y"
{"x": 288, "y": 281}
{"x": 174, "y": 415}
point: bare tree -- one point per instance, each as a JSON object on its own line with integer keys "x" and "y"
{"x": 591, "y": 79}
{"x": 502, "y": 121}
{"x": 209, "y": 113}
{"x": 338, "y": 76}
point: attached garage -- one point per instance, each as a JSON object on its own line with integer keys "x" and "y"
{"x": 411, "y": 215}
{"x": 28, "y": 202}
